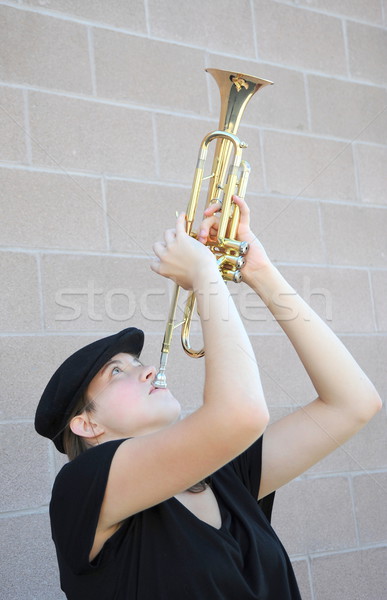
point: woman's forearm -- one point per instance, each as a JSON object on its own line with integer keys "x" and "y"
{"x": 232, "y": 375}
{"x": 336, "y": 376}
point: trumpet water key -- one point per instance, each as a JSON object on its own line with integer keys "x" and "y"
{"x": 229, "y": 175}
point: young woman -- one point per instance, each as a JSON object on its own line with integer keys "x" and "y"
{"x": 129, "y": 518}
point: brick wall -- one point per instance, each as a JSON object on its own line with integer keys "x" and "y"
{"x": 103, "y": 106}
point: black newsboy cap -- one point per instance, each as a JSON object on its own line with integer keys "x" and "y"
{"x": 71, "y": 379}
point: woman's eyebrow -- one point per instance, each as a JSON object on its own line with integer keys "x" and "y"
{"x": 113, "y": 361}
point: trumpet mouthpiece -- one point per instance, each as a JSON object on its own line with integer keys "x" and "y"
{"x": 160, "y": 380}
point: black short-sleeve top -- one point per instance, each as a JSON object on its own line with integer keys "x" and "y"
{"x": 166, "y": 552}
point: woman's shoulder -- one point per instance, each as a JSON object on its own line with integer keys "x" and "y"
{"x": 88, "y": 463}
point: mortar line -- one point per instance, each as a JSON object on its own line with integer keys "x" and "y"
{"x": 93, "y": 76}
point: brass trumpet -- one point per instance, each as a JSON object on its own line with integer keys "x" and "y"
{"x": 229, "y": 176}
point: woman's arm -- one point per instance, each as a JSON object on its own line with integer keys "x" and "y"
{"x": 346, "y": 400}
{"x": 151, "y": 468}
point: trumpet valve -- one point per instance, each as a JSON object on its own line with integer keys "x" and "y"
{"x": 240, "y": 262}
{"x": 237, "y": 262}
{"x": 230, "y": 275}
{"x": 244, "y": 248}
{"x": 241, "y": 248}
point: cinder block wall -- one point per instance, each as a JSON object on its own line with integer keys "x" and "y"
{"x": 103, "y": 106}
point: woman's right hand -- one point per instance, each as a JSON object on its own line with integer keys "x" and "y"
{"x": 182, "y": 258}
{"x": 256, "y": 259}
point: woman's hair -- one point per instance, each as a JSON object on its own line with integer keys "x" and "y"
{"x": 74, "y": 444}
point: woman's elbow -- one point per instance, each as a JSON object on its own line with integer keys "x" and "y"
{"x": 256, "y": 415}
{"x": 371, "y": 405}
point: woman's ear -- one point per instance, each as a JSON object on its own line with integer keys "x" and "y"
{"x": 82, "y": 425}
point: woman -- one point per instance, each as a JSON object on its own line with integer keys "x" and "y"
{"x": 125, "y": 517}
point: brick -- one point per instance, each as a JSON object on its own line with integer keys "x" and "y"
{"x": 301, "y": 571}
{"x": 367, "y": 11}
{"x": 315, "y": 515}
{"x": 285, "y": 381}
{"x": 351, "y": 575}
{"x": 12, "y": 126}
{"x": 19, "y": 303}
{"x": 20, "y": 489}
{"x": 36, "y": 51}
{"x": 340, "y": 296}
{"x": 102, "y": 293}
{"x": 288, "y": 229}
{"x": 348, "y": 110}
{"x": 215, "y": 32}
{"x": 46, "y": 202}
{"x": 379, "y": 288}
{"x": 298, "y": 165}
{"x": 369, "y": 496}
{"x": 77, "y": 134}
{"x": 40, "y": 356}
{"x": 308, "y": 40}
{"x": 59, "y": 459}
{"x": 371, "y": 168}
{"x": 282, "y": 105}
{"x": 347, "y": 234}
{"x": 33, "y": 554}
{"x": 367, "y": 52}
{"x": 158, "y": 82}
{"x": 138, "y": 214}
{"x": 178, "y": 142}
{"x": 128, "y": 15}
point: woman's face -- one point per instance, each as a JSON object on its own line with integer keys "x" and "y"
{"x": 126, "y": 403}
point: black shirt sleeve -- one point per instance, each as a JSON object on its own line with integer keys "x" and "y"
{"x": 76, "y": 502}
{"x": 248, "y": 467}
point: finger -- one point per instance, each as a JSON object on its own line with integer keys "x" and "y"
{"x": 208, "y": 227}
{"x": 170, "y": 236}
{"x": 155, "y": 265}
{"x": 212, "y": 209}
{"x": 158, "y": 248}
{"x": 213, "y": 231}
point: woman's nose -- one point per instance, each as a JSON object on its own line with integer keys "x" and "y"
{"x": 148, "y": 373}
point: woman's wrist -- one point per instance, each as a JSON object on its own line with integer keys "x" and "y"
{"x": 260, "y": 278}
{"x": 271, "y": 287}
{"x": 206, "y": 275}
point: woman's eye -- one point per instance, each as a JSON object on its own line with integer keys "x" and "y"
{"x": 116, "y": 370}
